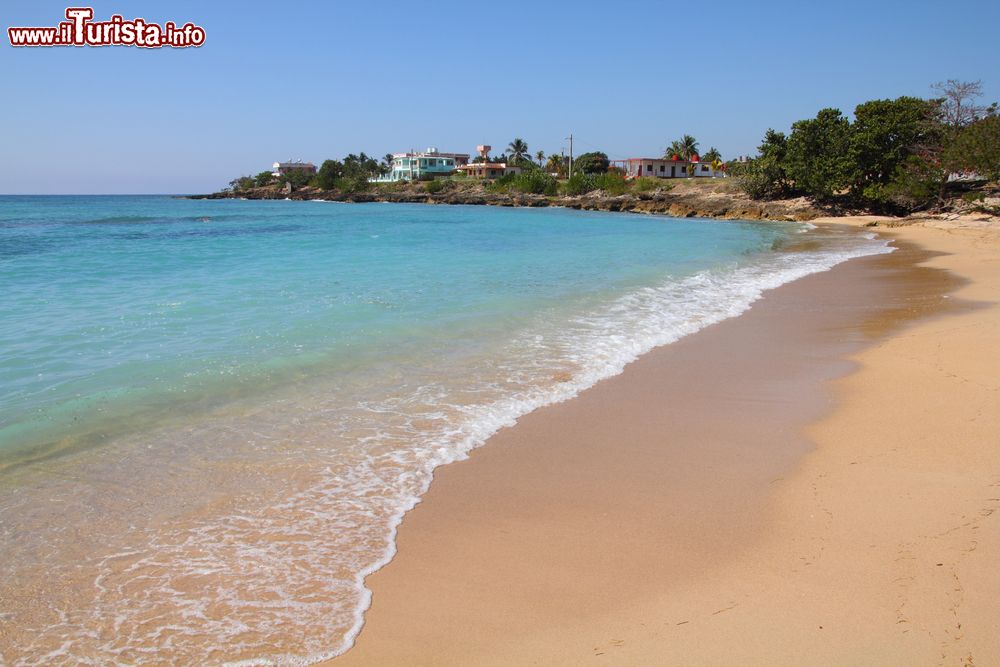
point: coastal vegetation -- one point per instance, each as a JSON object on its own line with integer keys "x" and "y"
{"x": 611, "y": 182}
{"x": 594, "y": 162}
{"x": 557, "y": 164}
{"x": 531, "y": 181}
{"x": 897, "y": 155}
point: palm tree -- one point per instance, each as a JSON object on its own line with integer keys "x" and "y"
{"x": 690, "y": 146}
{"x": 674, "y": 150}
{"x": 518, "y": 151}
{"x": 556, "y": 164}
{"x": 540, "y": 156}
{"x": 684, "y": 148}
{"x": 712, "y": 155}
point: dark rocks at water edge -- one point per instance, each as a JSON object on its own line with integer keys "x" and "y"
{"x": 684, "y": 200}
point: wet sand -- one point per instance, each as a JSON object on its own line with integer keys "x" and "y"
{"x": 811, "y": 482}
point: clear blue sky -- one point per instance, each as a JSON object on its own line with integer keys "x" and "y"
{"x": 313, "y": 80}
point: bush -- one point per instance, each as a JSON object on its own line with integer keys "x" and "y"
{"x": 977, "y": 149}
{"x": 353, "y": 183}
{"x": 297, "y": 177}
{"x": 329, "y": 172}
{"x": 580, "y": 184}
{"x": 241, "y": 184}
{"x": 760, "y": 179}
{"x": 915, "y": 186}
{"x": 613, "y": 183}
{"x": 534, "y": 182}
{"x": 433, "y": 187}
{"x": 646, "y": 184}
{"x": 264, "y": 178}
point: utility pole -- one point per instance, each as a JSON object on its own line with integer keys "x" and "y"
{"x": 570, "y": 137}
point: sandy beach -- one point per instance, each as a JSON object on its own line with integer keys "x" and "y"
{"x": 814, "y": 482}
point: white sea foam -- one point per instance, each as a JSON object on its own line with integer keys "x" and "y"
{"x": 652, "y": 317}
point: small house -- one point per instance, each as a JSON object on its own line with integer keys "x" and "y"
{"x": 489, "y": 170}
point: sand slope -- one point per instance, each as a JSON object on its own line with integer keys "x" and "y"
{"x": 880, "y": 546}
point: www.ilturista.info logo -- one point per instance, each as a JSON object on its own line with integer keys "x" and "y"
{"x": 80, "y": 30}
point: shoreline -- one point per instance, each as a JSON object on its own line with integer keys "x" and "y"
{"x": 688, "y": 198}
{"x": 717, "y": 199}
{"x": 427, "y": 608}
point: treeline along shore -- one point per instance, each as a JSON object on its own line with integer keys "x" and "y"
{"x": 899, "y": 157}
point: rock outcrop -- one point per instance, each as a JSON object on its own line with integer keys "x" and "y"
{"x": 688, "y": 201}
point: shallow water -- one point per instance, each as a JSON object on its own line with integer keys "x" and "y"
{"x": 213, "y": 414}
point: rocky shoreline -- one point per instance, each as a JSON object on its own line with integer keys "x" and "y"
{"x": 685, "y": 200}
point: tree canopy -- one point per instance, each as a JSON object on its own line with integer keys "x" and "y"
{"x": 896, "y": 154}
{"x": 765, "y": 177}
{"x": 817, "y": 159}
{"x": 884, "y": 135}
{"x": 712, "y": 155}
{"x": 594, "y": 162}
{"x": 329, "y": 173}
{"x": 976, "y": 149}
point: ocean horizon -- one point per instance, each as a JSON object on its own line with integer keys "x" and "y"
{"x": 215, "y": 413}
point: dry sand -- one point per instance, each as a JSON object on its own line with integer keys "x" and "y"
{"x": 708, "y": 506}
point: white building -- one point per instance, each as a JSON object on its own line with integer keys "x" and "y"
{"x": 661, "y": 167}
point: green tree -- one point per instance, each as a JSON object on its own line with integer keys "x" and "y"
{"x": 556, "y": 165}
{"x": 263, "y": 178}
{"x": 329, "y": 173}
{"x": 764, "y": 177}
{"x": 884, "y": 135}
{"x": 917, "y": 184}
{"x": 712, "y": 155}
{"x": 540, "y": 157}
{"x": 594, "y": 162}
{"x": 360, "y": 165}
{"x": 518, "y": 151}
{"x": 976, "y": 148}
{"x": 241, "y": 184}
{"x": 386, "y": 165}
{"x": 297, "y": 177}
{"x": 818, "y": 155}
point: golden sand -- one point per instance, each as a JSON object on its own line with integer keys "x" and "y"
{"x": 744, "y": 496}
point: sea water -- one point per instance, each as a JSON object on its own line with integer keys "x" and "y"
{"x": 214, "y": 414}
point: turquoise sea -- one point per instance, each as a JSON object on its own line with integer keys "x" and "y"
{"x": 213, "y": 414}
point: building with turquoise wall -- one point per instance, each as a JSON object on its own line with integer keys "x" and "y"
{"x": 424, "y": 166}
